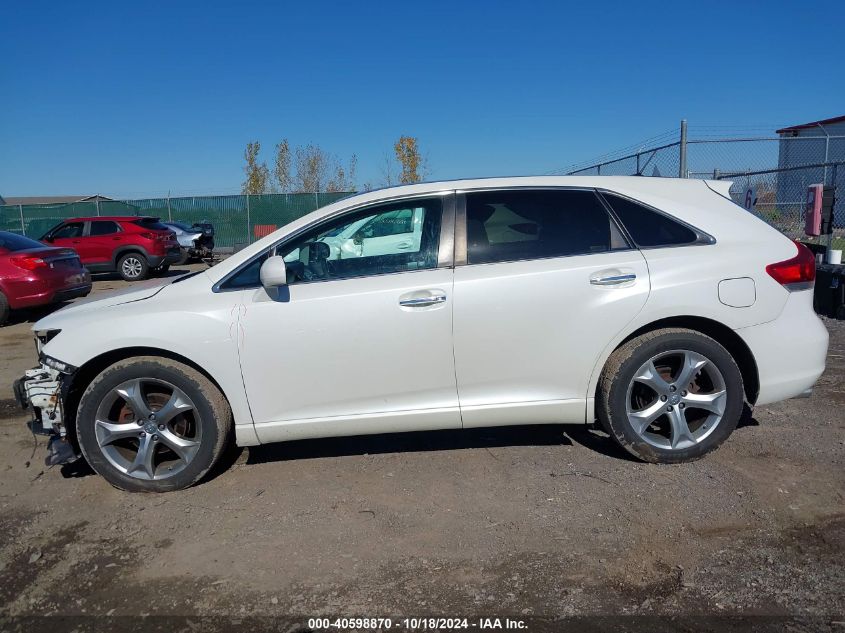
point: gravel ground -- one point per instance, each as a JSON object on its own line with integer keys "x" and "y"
{"x": 532, "y": 523}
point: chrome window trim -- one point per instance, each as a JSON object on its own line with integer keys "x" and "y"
{"x": 443, "y": 254}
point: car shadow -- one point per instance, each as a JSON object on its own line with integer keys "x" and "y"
{"x": 31, "y": 315}
{"x": 590, "y": 436}
{"x": 747, "y": 418}
{"x": 411, "y": 442}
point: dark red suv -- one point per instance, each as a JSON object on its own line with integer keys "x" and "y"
{"x": 131, "y": 246}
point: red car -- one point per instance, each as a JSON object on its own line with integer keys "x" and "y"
{"x": 131, "y": 246}
{"x": 32, "y": 274}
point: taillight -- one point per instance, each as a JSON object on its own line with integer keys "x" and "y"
{"x": 801, "y": 269}
{"x": 28, "y": 262}
{"x": 148, "y": 236}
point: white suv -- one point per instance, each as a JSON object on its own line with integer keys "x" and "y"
{"x": 657, "y": 306}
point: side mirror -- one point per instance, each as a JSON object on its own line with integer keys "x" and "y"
{"x": 273, "y": 272}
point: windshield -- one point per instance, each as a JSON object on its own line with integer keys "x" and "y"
{"x": 14, "y": 242}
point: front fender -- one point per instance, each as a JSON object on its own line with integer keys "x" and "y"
{"x": 200, "y": 327}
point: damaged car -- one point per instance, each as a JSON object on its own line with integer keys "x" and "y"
{"x": 196, "y": 241}
{"x": 656, "y": 307}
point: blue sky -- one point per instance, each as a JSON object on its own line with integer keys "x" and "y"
{"x": 135, "y": 99}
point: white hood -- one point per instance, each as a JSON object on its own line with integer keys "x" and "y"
{"x": 138, "y": 291}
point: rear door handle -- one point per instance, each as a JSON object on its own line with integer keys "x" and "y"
{"x": 422, "y": 302}
{"x": 613, "y": 280}
{"x": 422, "y": 298}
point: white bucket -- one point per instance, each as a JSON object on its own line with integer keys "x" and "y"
{"x": 834, "y": 256}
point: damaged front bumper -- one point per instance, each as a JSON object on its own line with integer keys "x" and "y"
{"x": 42, "y": 390}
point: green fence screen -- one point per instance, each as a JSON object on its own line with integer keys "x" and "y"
{"x": 237, "y": 220}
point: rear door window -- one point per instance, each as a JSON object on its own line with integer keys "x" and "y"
{"x": 647, "y": 227}
{"x": 103, "y": 227}
{"x": 534, "y": 224}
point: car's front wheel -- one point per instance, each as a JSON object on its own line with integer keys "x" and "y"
{"x": 152, "y": 424}
{"x": 670, "y": 395}
{"x": 133, "y": 267}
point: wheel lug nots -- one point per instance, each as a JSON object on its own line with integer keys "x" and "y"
{"x": 663, "y": 398}
{"x": 155, "y": 438}
{"x": 669, "y": 408}
{"x": 682, "y": 405}
{"x": 141, "y": 434}
{"x": 672, "y": 388}
{"x": 160, "y": 427}
{"x": 140, "y": 422}
{"x": 684, "y": 393}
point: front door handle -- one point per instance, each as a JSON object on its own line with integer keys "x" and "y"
{"x": 613, "y": 280}
{"x": 422, "y": 302}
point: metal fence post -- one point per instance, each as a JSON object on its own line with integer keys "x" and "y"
{"x": 833, "y": 211}
{"x": 682, "y": 170}
{"x": 23, "y": 226}
{"x": 638, "y": 163}
{"x": 248, "y": 232}
{"x": 169, "y": 213}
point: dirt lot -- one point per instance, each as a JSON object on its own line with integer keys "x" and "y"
{"x": 549, "y": 521}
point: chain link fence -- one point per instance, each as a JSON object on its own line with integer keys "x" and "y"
{"x": 237, "y": 219}
{"x": 773, "y": 172}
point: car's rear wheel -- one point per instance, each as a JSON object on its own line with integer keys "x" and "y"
{"x": 184, "y": 257}
{"x": 133, "y": 267}
{"x": 4, "y": 309}
{"x": 671, "y": 395}
{"x": 152, "y": 424}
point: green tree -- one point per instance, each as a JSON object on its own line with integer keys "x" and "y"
{"x": 257, "y": 174}
{"x": 282, "y": 167}
{"x": 412, "y": 165}
{"x": 343, "y": 178}
{"x": 311, "y": 168}
{"x": 319, "y": 170}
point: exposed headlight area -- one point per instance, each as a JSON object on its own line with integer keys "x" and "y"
{"x": 58, "y": 365}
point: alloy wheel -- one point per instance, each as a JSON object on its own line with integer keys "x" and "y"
{"x": 676, "y": 399}
{"x": 132, "y": 267}
{"x": 148, "y": 429}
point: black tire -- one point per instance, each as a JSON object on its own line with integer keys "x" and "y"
{"x": 4, "y": 309}
{"x": 213, "y": 421}
{"x": 184, "y": 257}
{"x": 612, "y": 397}
{"x": 133, "y": 267}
